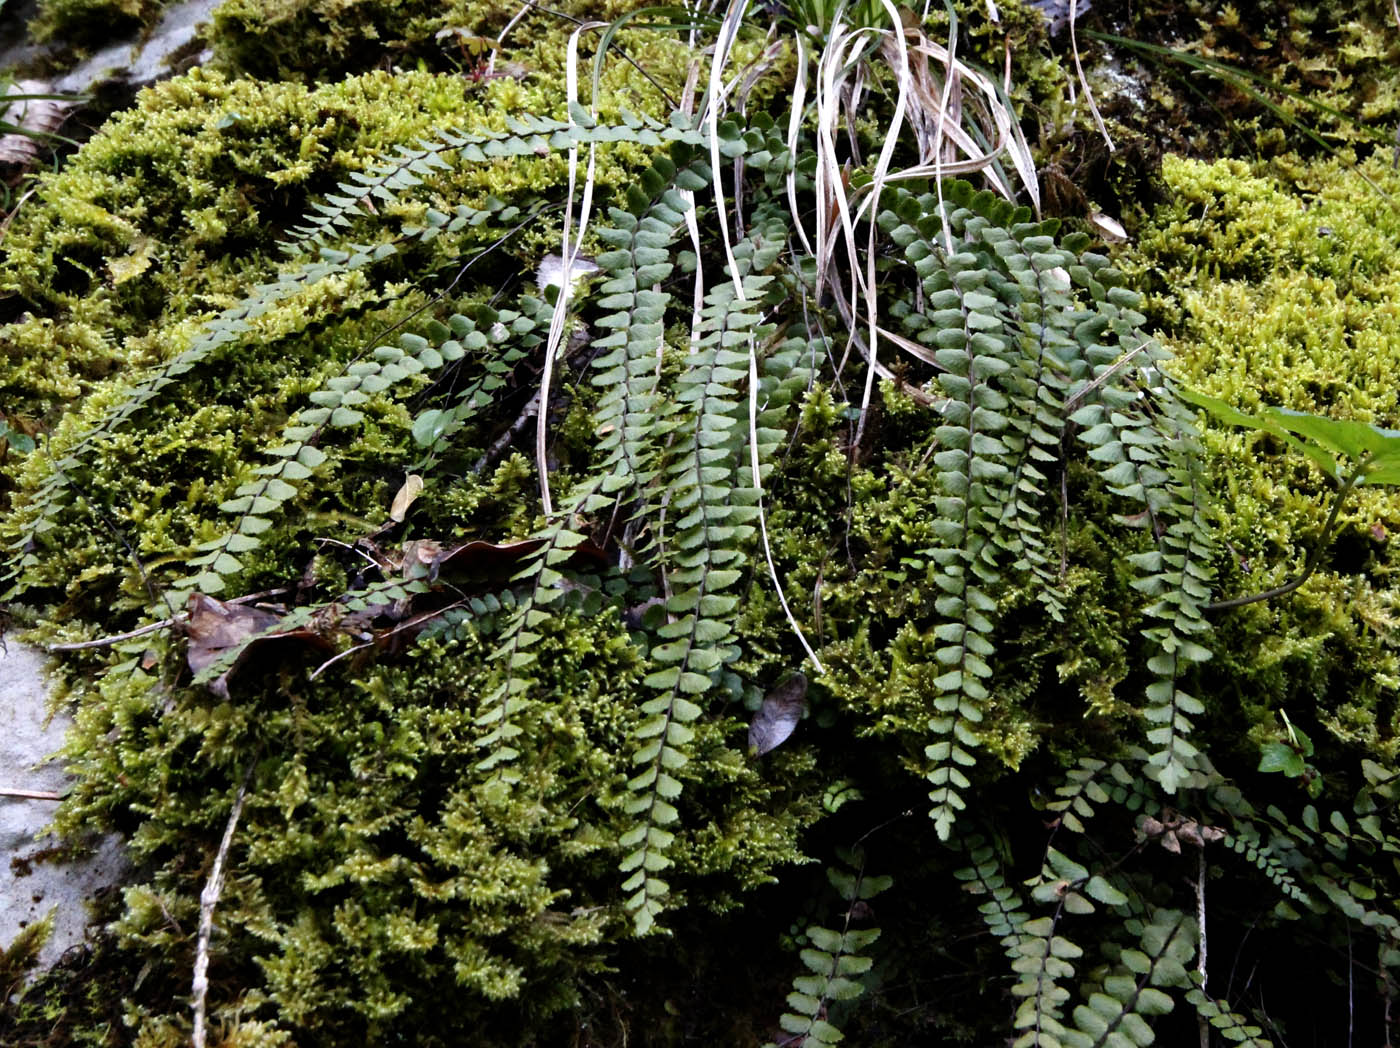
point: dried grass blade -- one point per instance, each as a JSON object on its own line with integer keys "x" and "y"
{"x": 569, "y": 255}
{"x": 1083, "y": 80}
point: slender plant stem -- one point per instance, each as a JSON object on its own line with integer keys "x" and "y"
{"x": 1202, "y": 1022}
{"x": 141, "y": 631}
{"x": 1313, "y": 560}
{"x": 208, "y": 899}
{"x": 31, "y": 795}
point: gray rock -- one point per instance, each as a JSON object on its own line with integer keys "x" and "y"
{"x": 33, "y": 882}
{"x": 135, "y": 61}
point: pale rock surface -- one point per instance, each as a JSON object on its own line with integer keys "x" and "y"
{"x": 31, "y": 886}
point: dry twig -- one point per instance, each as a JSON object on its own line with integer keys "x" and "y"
{"x": 208, "y": 899}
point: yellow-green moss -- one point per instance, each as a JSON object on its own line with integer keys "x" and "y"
{"x": 92, "y": 22}
{"x": 1280, "y": 284}
{"x": 175, "y": 208}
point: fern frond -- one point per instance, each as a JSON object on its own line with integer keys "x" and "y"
{"x": 1042, "y": 961}
{"x": 524, "y": 135}
{"x": 1004, "y": 911}
{"x": 337, "y": 405}
{"x": 1148, "y": 448}
{"x": 976, "y": 351}
{"x": 713, "y": 512}
{"x": 1040, "y": 294}
{"x": 834, "y": 962}
{"x": 1245, "y": 840}
{"x": 1231, "y": 1026}
{"x": 499, "y": 341}
{"x": 229, "y": 327}
{"x": 1077, "y": 796}
{"x": 640, "y": 241}
{"x": 1116, "y": 1015}
{"x": 545, "y": 592}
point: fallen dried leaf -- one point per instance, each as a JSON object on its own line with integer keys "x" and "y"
{"x": 222, "y": 631}
{"x": 1109, "y": 228}
{"x": 411, "y": 489}
{"x": 777, "y": 718}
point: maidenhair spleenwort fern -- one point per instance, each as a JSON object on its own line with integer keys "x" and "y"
{"x": 1021, "y": 331}
{"x": 323, "y": 233}
{"x": 709, "y": 511}
{"x": 835, "y": 961}
{"x": 1146, "y": 443}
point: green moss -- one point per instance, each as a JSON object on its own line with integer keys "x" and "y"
{"x": 92, "y": 22}
{"x": 1278, "y": 283}
{"x": 315, "y": 39}
{"x": 381, "y": 872}
{"x": 177, "y": 205}
{"x": 385, "y": 884}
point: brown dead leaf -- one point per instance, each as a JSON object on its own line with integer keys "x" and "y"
{"x": 219, "y": 630}
{"x": 216, "y": 626}
{"x": 777, "y": 718}
{"x": 215, "y": 629}
{"x": 411, "y": 489}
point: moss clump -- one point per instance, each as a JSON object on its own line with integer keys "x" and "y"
{"x": 323, "y": 39}
{"x": 1278, "y": 284}
{"x": 92, "y": 22}
{"x": 382, "y": 873}
{"x": 176, "y": 207}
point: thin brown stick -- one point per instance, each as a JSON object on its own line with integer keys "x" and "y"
{"x": 152, "y": 627}
{"x": 208, "y": 899}
{"x": 32, "y": 795}
{"x": 1313, "y": 560}
{"x": 117, "y": 638}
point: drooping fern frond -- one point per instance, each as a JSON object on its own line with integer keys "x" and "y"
{"x": 525, "y": 135}
{"x": 1146, "y": 444}
{"x": 498, "y": 342}
{"x": 640, "y": 238}
{"x": 544, "y": 594}
{"x": 337, "y": 406}
{"x": 1043, "y": 962}
{"x": 834, "y": 962}
{"x": 974, "y": 350}
{"x": 231, "y": 326}
{"x": 1117, "y": 1014}
{"x": 1004, "y": 911}
{"x": 1021, "y": 332}
{"x": 1051, "y": 359}
{"x": 711, "y": 511}
{"x": 1230, "y": 1025}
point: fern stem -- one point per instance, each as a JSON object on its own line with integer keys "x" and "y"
{"x": 1314, "y": 559}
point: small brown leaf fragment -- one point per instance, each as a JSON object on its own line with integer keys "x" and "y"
{"x": 215, "y": 628}
{"x": 1378, "y": 531}
{"x": 777, "y": 718}
{"x": 411, "y": 489}
{"x": 420, "y": 554}
{"x": 1189, "y": 832}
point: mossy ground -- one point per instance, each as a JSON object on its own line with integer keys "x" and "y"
{"x": 387, "y": 888}
{"x": 1278, "y": 285}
